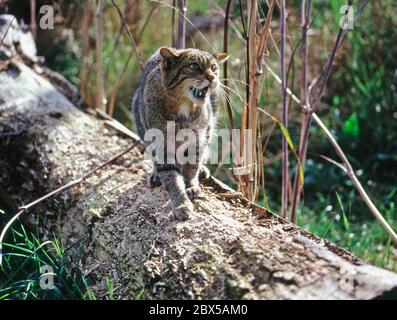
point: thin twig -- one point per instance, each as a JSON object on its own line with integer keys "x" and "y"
{"x": 132, "y": 39}
{"x": 33, "y": 24}
{"x": 173, "y": 25}
{"x": 225, "y": 74}
{"x": 100, "y": 85}
{"x": 245, "y": 35}
{"x": 321, "y": 7}
{"x": 335, "y": 163}
{"x": 265, "y": 33}
{"x": 305, "y": 18}
{"x": 284, "y": 183}
{"x": 5, "y": 34}
{"x": 188, "y": 21}
{"x": 308, "y": 118}
{"x": 110, "y": 121}
{"x": 225, "y": 49}
{"x": 115, "y": 47}
{"x": 252, "y": 97}
{"x": 120, "y": 79}
{"x": 147, "y": 20}
{"x": 182, "y": 24}
{"x": 85, "y": 47}
{"x": 127, "y": 62}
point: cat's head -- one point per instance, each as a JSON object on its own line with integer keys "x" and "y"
{"x": 192, "y": 72}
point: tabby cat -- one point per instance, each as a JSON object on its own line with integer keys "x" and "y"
{"x": 179, "y": 86}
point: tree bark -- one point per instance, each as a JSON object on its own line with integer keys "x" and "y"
{"x": 228, "y": 249}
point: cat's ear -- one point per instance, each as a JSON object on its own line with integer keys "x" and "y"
{"x": 168, "y": 53}
{"x": 221, "y": 57}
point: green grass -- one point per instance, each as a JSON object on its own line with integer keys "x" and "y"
{"x": 29, "y": 263}
{"x": 335, "y": 218}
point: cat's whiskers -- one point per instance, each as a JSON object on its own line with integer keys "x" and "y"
{"x": 227, "y": 97}
{"x": 224, "y": 87}
{"x": 234, "y": 81}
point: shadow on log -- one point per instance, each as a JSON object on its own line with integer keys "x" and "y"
{"x": 228, "y": 249}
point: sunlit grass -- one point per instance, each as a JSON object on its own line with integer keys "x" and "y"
{"x": 335, "y": 218}
{"x": 28, "y": 262}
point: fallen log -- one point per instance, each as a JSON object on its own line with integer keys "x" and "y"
{"x": 228, "y": 249}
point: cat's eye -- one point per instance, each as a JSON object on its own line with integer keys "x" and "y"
{"x": 214, "y": 67}
{"x": 194, "y": 66}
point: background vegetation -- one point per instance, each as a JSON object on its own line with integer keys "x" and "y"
{"x": 359, "y": 107}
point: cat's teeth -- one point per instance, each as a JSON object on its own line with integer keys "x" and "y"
{"x": 199, "y": 93}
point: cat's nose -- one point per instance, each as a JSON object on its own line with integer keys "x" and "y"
{"x": 210, "y": 77}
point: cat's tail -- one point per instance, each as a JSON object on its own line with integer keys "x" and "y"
{"x": 137, "y": 110}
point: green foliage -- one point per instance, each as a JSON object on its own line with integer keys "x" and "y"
{"x": 365, "y": 93}
{"x": 24, "y": 256}
{"x": 351, "y": 127}
{"x": 64, "y": 61}
{"x": 334, "y": 218}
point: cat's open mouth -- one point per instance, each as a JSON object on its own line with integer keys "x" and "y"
{"x": 199, "y": 93}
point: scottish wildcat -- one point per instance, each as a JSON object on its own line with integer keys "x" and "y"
{"x": 179, "y": 86}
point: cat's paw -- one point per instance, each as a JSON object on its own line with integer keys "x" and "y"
{"x": 154, "y": 180}
{"x": 183, "y": 211}
{"x": 194, "y": 192}
{"x": 204, "y": 173}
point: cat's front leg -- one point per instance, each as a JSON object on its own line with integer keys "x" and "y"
{"x": 204, "y": 173}
{"x": 175, "y": 186}
{"x": 154, "y": 180}
{"x": 193, "y": 171}
{"x": 190, "y": 173}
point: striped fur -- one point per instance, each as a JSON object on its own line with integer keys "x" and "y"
{"x": 179, "y": 86}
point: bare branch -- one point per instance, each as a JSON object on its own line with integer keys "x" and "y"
{"x": 129, "y": 33}
{"x": 100, "y": 84}
{"x": 181, "y": 41}
{"x": 285, "y": 175}
{"x": 305, "y": 18}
